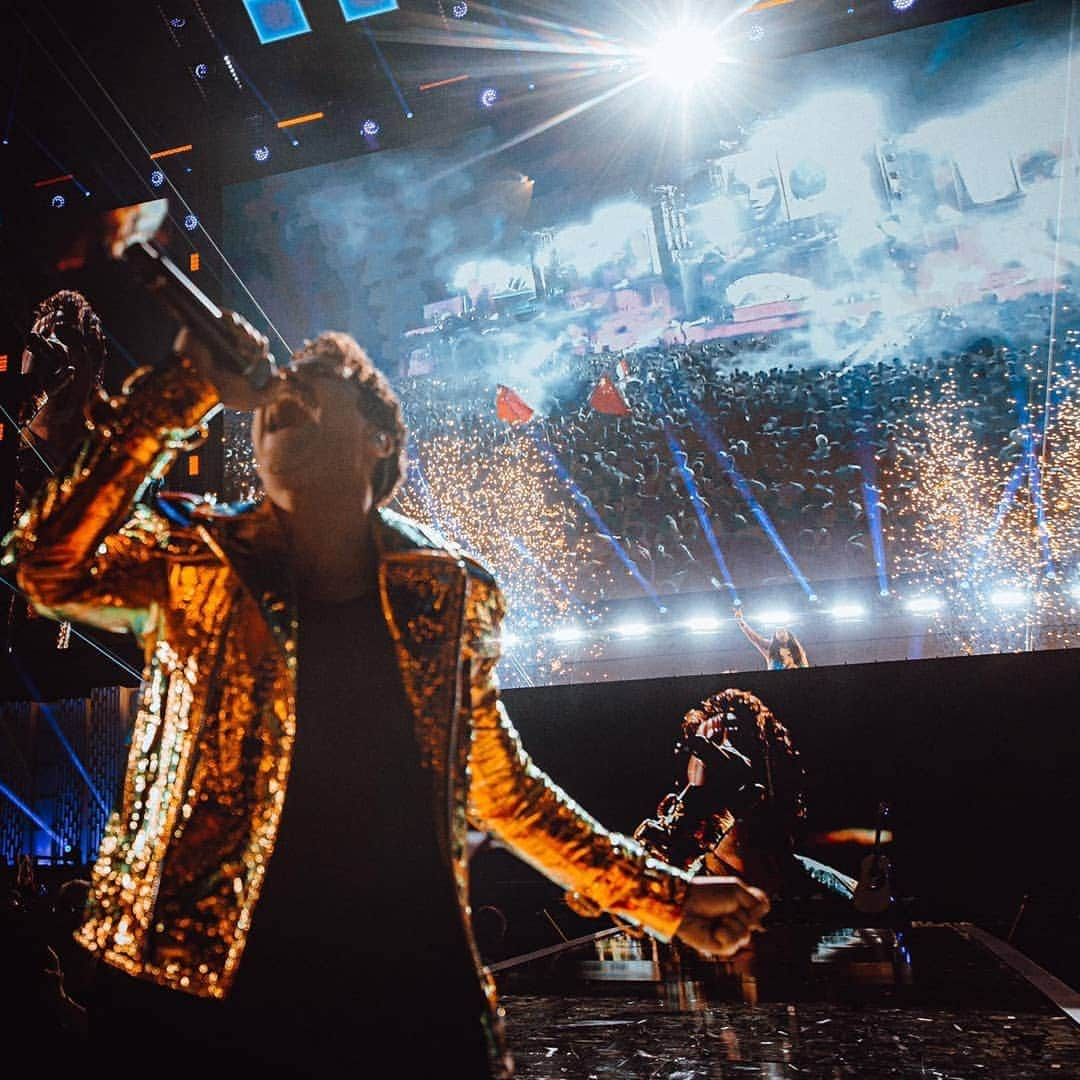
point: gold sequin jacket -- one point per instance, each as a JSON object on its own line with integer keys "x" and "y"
{"x": 205, "y": 589}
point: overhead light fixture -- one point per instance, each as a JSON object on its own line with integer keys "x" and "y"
{"x": 684, "y": 56}
{"x": 703, "y": 624}
{"x": 847, "y": 611}
{"x": 359, "y": 9}
{"x": 632, "y": 629}
{"x": 775, "y": 617}
{"x": 1009, "y": 598}
{"x": 275, "y": 20}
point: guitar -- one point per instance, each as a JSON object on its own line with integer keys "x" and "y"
{"x": 873, "y": 892}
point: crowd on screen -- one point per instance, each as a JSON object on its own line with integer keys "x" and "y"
{"x": 806, "y": 445}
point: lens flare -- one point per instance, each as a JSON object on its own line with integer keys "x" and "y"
{"x": 684, "y": 57}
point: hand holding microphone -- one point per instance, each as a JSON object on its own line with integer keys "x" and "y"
{"x": 246, "y": 352}
{"x": 225, "y": 346}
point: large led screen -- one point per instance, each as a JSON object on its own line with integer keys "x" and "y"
{"x": 813, "y": 358}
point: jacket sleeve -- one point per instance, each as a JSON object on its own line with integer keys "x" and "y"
{"x": 78, "y": 550}
{"x": 510, "y": 796}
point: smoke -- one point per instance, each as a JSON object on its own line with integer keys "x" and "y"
{"x": 983, "y": 218}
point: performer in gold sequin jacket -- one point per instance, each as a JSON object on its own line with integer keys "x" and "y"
{"x": 215, "y": 595}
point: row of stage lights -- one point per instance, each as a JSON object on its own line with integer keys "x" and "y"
{"x": 487, "y": 98}
{"x": 925, "y": 604}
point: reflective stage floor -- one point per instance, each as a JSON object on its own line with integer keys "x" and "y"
{"x": 935, "y": 1000}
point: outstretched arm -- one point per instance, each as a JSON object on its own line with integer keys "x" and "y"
{"x": 512, "y": 797}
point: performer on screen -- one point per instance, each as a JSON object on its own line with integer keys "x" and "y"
{"x": 742, "y": 807}
{"x": 62, "y": 369}
{"x": 782, "y": 650}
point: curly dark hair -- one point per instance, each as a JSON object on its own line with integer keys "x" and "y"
{"x": 70, "y": 308}
{"x": 793, "y": 644}
{"x": 770, "y": 747}
{"x": 379, "y": 404}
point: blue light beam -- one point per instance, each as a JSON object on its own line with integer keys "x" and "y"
{"x": 5, "y": 790}
{"x": 584, "y": 503}
{"x": 389, "y": 74}
{"x": 687, "y": 475}
{"x": 704, "y": 427}
{"x": 50, "y": 718}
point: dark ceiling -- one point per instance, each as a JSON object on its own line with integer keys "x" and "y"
{"x": 89, "y": 92}
{"x": 94, "y": 89}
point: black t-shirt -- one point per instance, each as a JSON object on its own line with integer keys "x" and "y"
{"x": 358, "y": 898}
{"x": 357, "y": 948}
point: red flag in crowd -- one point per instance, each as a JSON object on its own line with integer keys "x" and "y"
{"x": 510, "y": 407}
{"x": 606, "y": 398}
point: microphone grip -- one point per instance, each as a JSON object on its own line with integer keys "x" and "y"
{"x": 194, "y": 309}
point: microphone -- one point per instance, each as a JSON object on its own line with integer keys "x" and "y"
{"x": 195, "y": 309}
{"x": 48, "y": 373}
{"x": 51, "y": 370}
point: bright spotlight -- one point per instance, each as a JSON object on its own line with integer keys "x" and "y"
{"x": 848, "y": 611}
{"x": 632, "y": 629}
{"x": 200, "y": 71}
{"x": 157, "y": 178}
{"x": 776, "y": 617}
{"x": 459, "y": 11}
{"x": 568, "y": 633}
{"x": 756, "y": 32}
{"x": 902, "y": 5}
{"x": 489, "y": 96}
{"x": 510, "y": 640}
{"x": 683, "y": 57}
{"x": 191, "y": 222}
{"x": 1009, "y": 598}
{"x": 261, "y": 153}
{"x": 703, "y": 624}
{"x": 58, "y": 202}
{"x": 923, "y": 605}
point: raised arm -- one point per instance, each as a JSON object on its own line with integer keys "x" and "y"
{"x": 78, "y": 551}
{"x": 760, "y": 643}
